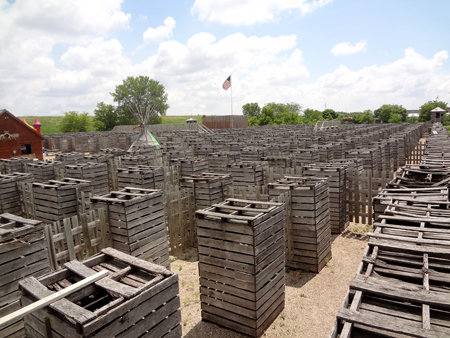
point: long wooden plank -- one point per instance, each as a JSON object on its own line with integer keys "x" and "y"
{"x": 11, "y": 318}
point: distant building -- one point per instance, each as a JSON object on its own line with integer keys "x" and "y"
{"x": 17, "y": 138}
{"x": 437, "y": 115}
{"x": 347, "y": 120}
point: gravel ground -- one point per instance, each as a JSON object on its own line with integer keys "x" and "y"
{"x": 312, "y": 300}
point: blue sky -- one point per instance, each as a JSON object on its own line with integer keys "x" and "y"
{"x": 350, "y": 55}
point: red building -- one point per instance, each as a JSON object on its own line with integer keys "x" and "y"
{"x": 17, "y": 138}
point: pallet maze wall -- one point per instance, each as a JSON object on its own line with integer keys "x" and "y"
{"x": 401, "y": 286}
{"x": 137, "y": 217}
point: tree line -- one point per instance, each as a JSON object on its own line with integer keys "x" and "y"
{"x": 136, "y": 93}
{"x": 292, "y": 113}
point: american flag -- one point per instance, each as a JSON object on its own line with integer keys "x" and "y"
{"x": 437, "y": 98}
{"x": 227, "y": 83}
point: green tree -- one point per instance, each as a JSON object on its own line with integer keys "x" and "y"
{"x": 426, "y": 108}
{"x": 395, "y": 118}
{"x": 267, "y": 117}
{"x": 412, "y": 119}
{"x": 251, "y": 109}
{"x": 289, "y": 108}
{"x": 385, "y": 111}
{"x": 330, "y": 114}
{"x": 105, "y": 117}
{"x": 74, "y": 122}
{"x": 366, "y": 117}
{"x": 139, "y": 95}
{"x": 312, "y": 116}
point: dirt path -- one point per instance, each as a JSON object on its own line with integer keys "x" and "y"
{"x": 312, "y": 300}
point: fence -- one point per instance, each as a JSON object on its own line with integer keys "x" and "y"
{"x": 180, "y": 213}
{"x": 80, "y": 237}
{"x": 225, "y": 121}
{"x": 159, "y": 127}
{"x": 360, "y": 192}
{"x": 416, "y": 154}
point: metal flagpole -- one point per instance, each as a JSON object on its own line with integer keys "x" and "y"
{"x": 231, "y": 85}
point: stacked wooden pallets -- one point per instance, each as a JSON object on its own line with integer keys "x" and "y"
{"x": 252, "y": 153}
{"x": 10, "y": 165}
{"x": 241, "y": 264}
{"x": 97, "y": 173}
{"x": 22, "y": 254}
{"x": 58, "y": 199}
{"x": 308, "y": 232}
{"x": 44, "y": 171}
{"x": 192, "y": 165}
{"x": 10, "y": 193}
{"x": 278, "y": 161}
{"x": 247, "y": 173}
{"x": 369, "y": 157}
{"x": 136, "y": 223}
{"x": 136, "y": 299}
{"x": 306, "y": 156}
{"x": 209, "y": 188}
{"x": 337, "y": 176}
{"x": 218, "y": 162}
{"x": 140, "y": 176}
{"x": 69, "y": 158}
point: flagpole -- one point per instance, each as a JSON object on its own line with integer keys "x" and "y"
{"x": 231, "y": 81}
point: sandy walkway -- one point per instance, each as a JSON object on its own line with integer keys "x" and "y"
{"x": 312, "y": 300}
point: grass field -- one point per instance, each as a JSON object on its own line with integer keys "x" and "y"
{"x": 50, "y": 124}
{"x": 448, "y": 128}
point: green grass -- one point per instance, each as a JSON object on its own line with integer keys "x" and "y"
{"x": 448, "y": 128}
{"x": 180, "y": 119}
{"x": 50, "y": 124}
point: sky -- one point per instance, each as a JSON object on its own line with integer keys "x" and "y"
{"x": 348, "y": 55}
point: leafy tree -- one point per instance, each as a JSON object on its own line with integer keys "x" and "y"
{"x": 289, "y": 108}
{"x": 267, "y": 117}
{"x": 412, "y": 119}
{"x": 330, "y": 114}
{"x": 385, "y": 111}
{"x": 366, "y": 117}
{"x": 74, "y": 122}
{"x": 251, "y": 109}
{"x": 395, "y": 118}
{"x": 105, "y": 117}
{"x": 312, "y": 116}
{"x": 447, "y": 119}
{"x": 426, "y": 108}
{"x": 139, "y": 95}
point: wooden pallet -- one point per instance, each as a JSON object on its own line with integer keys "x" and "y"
{"x": 136, "y": 299}
{"x": 58, "y": 199}
{"x": 241, "y": 264}
{"x": 247, "y": 173}
{"x": 10, "y": 165}
{"x": 306, "y": 156}
{"x": 209, "y": 188}
{"x": 140, "y": 176}
{"x": 97, "y": 173}
{"x": 69, "y": 158}
{"x": 337, "y": 180}
{"x": 192, "y": 165}
{"x": 44, "y": 171}
{"x": 218, "y": 162}
{"x": 308, "y": 235}
{"x": 136, "y": 223}
{"x": 10, "y": 192}
{"x": 22, "y": 254}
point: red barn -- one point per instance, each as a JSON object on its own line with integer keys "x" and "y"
{"x": 16, "y": 138}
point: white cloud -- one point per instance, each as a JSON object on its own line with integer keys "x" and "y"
{"x": 346, "y": 48}
{"x": 411, "y": 80}
{"x": 249, "y": 12}
{"x": 160, "y": 33}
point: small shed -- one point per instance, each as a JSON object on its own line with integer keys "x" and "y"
{"x": 191, "y": 120}
{"x": 17, "y": 138}
{"x": 437, "y": 115}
